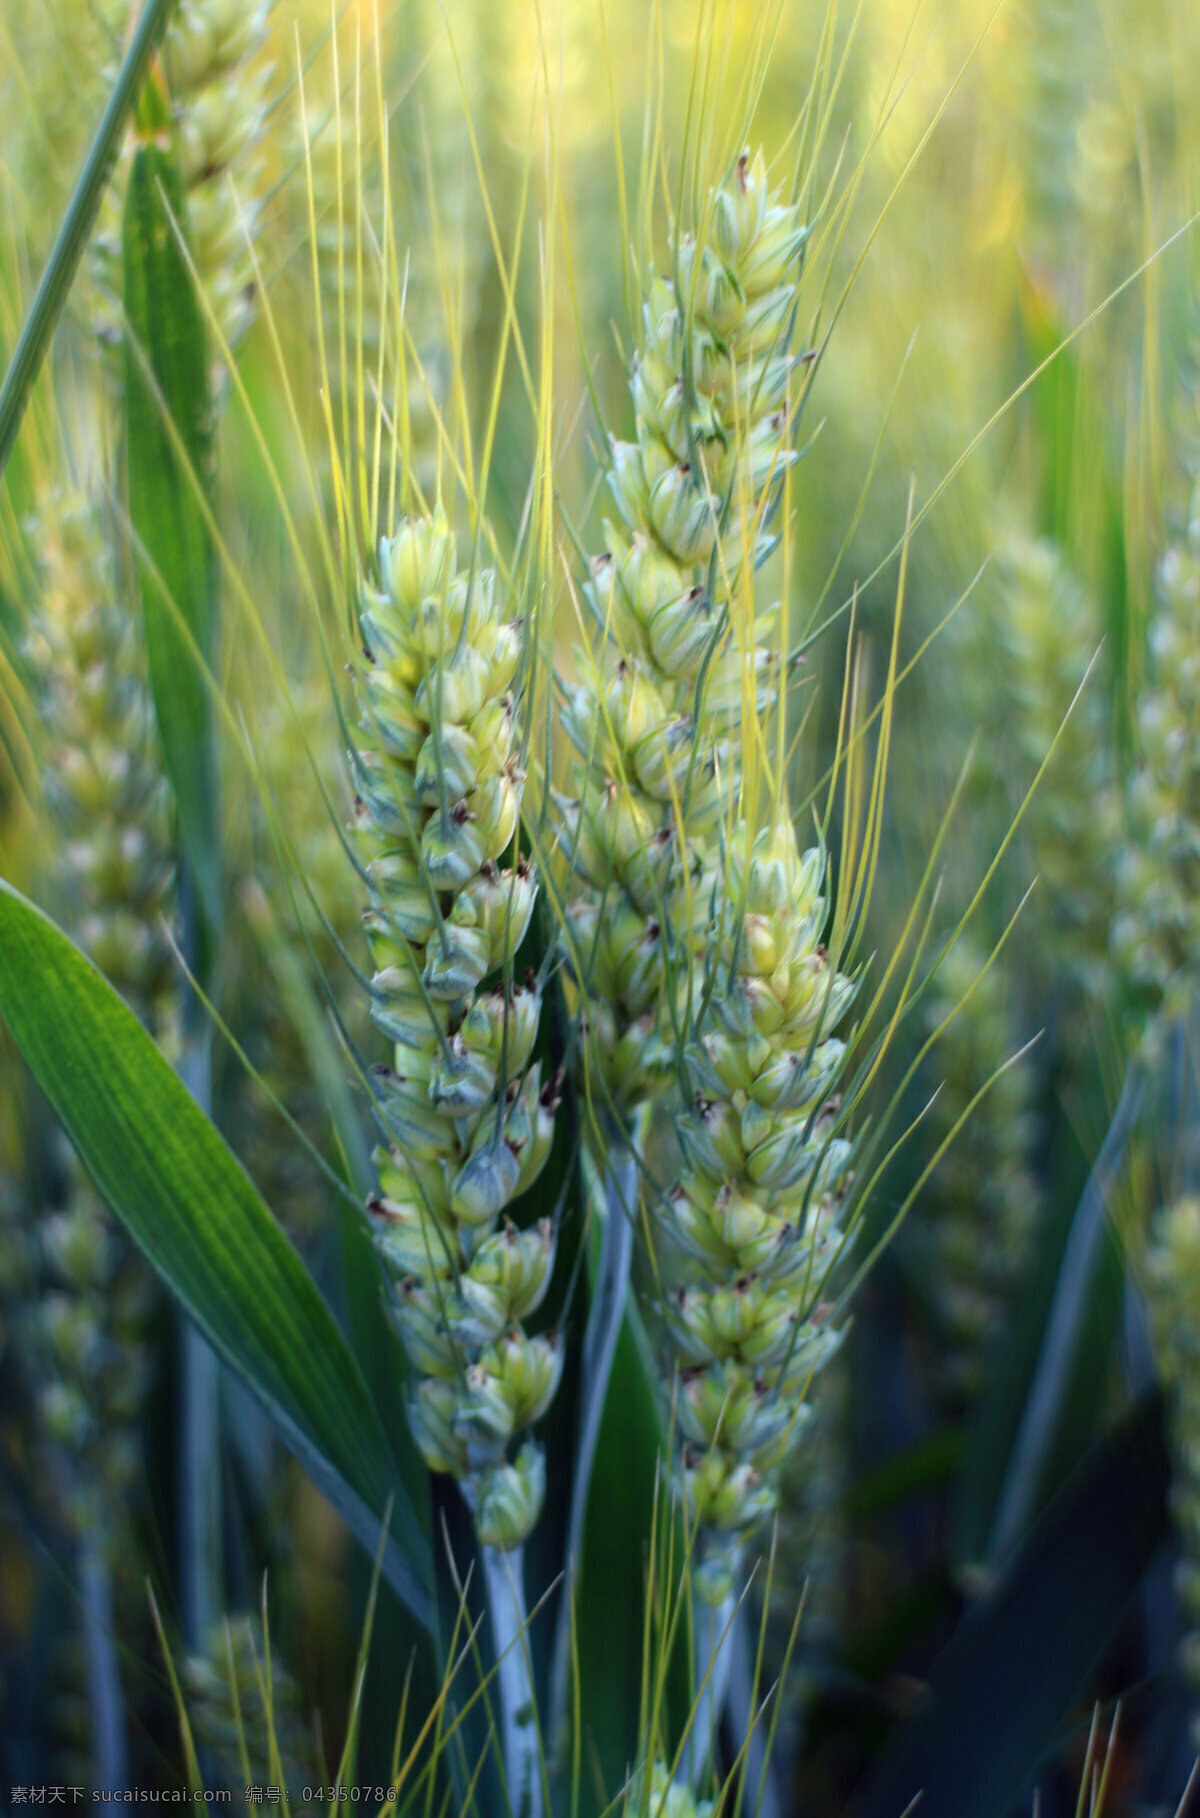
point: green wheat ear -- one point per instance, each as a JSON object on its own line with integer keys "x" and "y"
{"x": 84, "y": 1331}
{"x": 756, "y": 1212}
{"x": 108, "y": 812}
{"x": 246, "y": 1713}
{"x": 697, "y": 923}
{"x": 1050, "y": 627}
{"x": 678, "y": 671}
{"x": 980, "y": 1208}
{"x": 467, "y": 1117}
{"x": 1156, "y": 932}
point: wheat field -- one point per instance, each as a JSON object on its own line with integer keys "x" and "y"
{"x": 600, "y": 906}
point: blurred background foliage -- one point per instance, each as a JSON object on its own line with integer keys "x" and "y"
{"x": 1012, "y": 345}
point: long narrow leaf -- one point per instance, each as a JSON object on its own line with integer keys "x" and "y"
{"x": 169, "y": 461}
{"x": 55, "y": 285}
{"x": 610, "y": 1598}
{"x": 189, "y": 1205}
{"x": 605, "y": 1318}
{"x": 1071, "y": 1298}
{"x": 1019, "y": 1420}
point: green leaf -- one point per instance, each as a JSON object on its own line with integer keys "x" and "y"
{"x": 168, "y": 413}
{"x": 192, "y": 1209}
{"x": 610, "y": 1597}
{"x": 1039, "y": 1411}
{"x": 583, "y": 1396}
{"x": 1007, "y": 1683}
{"x": 56, "y": 280}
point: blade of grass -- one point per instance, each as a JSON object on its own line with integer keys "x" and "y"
{"x": 190, "y": 1759}
{"x": 1071, "y": 1296}
{"x": 169, "y": 457}
{"x": 605, "y": 1318}
{"x": 169, "y": 1176}
{"x": 56, "y": 280}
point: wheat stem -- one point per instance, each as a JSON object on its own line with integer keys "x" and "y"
{"x": 505, "y": 1591}
{"x": 110, "y": 1758}
{"x": 714, "y": 1665}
